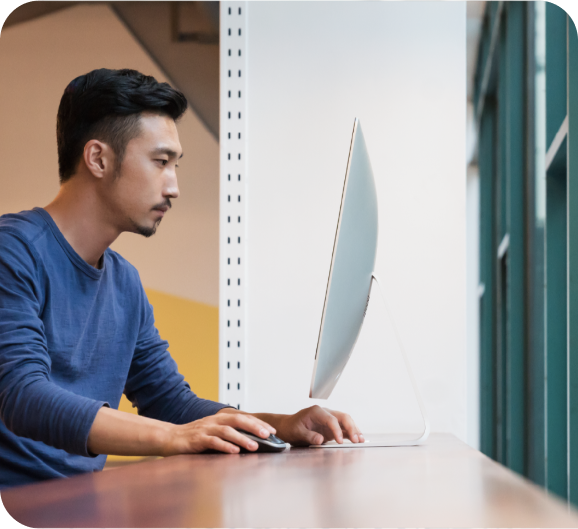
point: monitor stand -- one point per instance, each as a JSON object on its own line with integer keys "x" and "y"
{"x": 389, "y": 439}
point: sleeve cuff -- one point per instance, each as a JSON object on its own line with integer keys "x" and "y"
{"x": 98, "y": 406}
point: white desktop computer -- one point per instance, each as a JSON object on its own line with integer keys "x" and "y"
{"x": 349, "y": 287}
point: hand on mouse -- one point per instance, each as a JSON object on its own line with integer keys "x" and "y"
{"x": 217, "y": 432}
{"x": 314, "y": 425}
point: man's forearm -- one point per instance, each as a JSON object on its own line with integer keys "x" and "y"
{"x": 119, "y": 433}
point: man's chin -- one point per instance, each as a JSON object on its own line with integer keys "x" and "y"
{"x": 146, "y": 231}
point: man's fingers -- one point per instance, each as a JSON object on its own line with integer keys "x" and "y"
{"x": 230, "y": 434}
{"x": 332, "y": 423}
{"x": 216, "y": 443}
{"x": 248, "y": 423}
{"x": 311, "y": 437}
{"x": 349, "y": 427}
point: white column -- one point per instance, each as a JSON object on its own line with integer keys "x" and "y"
{"x": 232, "y": 217}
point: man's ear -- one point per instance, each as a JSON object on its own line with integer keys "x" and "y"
{"x": 98, "y": 158}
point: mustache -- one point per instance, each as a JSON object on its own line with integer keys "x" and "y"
{"x": 165, "y": 204}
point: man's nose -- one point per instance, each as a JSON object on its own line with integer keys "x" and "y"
{"x": 171, "y": 189}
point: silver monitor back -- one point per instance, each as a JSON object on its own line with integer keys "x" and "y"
{"x": 350, "y": 274}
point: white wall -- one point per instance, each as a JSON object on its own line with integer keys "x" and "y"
{"x": 37, "y": 61}
{"x": 400, "y": 68}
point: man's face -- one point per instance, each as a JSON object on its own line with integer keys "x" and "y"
{"x": 140, "y": 194}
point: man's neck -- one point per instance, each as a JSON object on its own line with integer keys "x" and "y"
{"x": 83, "y": 221}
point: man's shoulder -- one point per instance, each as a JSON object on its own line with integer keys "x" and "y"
{"x": 121, "y": 265}
{"x": 27, "y": 226}
{"x": 19, "y": 233}
{"x": 119, "y": 260}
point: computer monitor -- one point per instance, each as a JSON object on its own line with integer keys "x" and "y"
{"x": 351, "y": 276}
{"x": 352, "y": 265}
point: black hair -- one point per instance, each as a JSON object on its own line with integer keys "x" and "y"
{"x": 107, "y": 105}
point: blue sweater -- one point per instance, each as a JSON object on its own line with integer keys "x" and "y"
{"x": 73, "y": 339}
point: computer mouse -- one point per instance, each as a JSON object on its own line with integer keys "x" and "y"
{"x": 271, "y": 444}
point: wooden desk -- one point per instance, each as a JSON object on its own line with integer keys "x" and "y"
{"x": 441, "y": 484}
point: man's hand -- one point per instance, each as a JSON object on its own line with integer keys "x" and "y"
{"x": 217, "y": 432}
{"x": 314, "y": 425}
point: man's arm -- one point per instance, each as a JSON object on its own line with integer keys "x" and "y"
{"x": 119, "y": 433}
{"x": 31, "y": 404}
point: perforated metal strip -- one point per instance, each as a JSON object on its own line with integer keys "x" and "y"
{"x": 233, "y": 184}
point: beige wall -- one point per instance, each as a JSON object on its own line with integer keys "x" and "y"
{"x": 37, "y": 60}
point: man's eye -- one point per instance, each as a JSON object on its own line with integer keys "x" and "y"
{"x": 163, "y": 162}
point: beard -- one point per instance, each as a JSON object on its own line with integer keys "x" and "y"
{"x": 146, "y": 231}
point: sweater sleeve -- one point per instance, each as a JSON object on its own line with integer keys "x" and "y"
{"x": 154, "y": 384}
{"x": 30, "y": 404}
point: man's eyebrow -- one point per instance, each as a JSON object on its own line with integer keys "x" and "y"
{"x": 167, "y": 151}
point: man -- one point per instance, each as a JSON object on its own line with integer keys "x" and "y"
{"x": 76, "y": 329}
